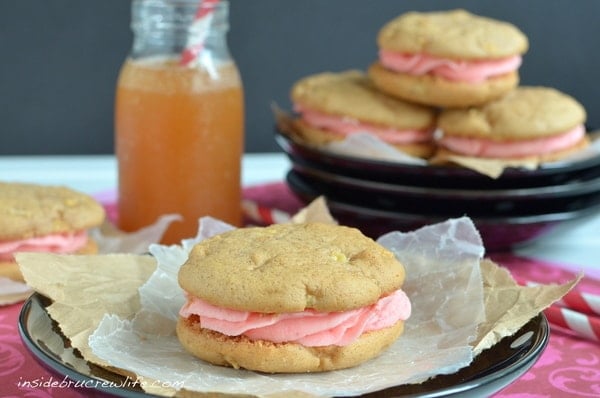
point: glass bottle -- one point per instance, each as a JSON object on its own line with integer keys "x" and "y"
{"x": 178, "y": 126}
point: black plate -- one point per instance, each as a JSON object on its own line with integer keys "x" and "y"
{"x": 437, "y": 176}
{"x": 491, "y": 371}
{"x": 571, "y": 196}
{"x": 498, "y": 233}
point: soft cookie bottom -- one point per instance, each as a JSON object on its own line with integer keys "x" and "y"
{"x": 436, "y": 91}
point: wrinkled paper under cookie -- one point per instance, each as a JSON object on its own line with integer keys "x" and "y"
{"x": 129, "y": 341}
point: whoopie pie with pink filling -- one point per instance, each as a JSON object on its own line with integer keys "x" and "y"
{"x": 448, "y": 58}
{"x": 291, "y": 298}
{"x": 538, "y": 124}
{"x": 332, "y": 106}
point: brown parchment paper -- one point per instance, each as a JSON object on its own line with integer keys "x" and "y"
{"x": 508, "y": 306}
{"x": 85, "y": 287}
{"x": 134, "y": 328}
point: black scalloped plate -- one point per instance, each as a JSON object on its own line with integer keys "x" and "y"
{"x": 491, "y": 371}
{"x": 573, "y": 196}
{"x": 499, "y": 232}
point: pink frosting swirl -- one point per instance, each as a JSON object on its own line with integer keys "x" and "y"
{"x": 309, "y": 328}
{"x": 68, "y": 242}
{"x": 487, "y": 148}
{"x": 464, "y": 71}
{"x": 346, "y": 126}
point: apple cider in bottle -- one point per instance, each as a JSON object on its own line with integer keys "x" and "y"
{"x": 179, "y": 124}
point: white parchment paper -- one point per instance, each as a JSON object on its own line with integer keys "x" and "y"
{"x": 369, "y": 146}
{"x": 443, "y": 283}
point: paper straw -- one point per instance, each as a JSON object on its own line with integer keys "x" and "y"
{"x": 586, "y": 326}
{"x": 585, "y": 303}
{"x": 198, "y": 31}
{"x": 263, "y": 215}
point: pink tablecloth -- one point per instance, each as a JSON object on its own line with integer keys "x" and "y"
{"x": 569, "y": 366}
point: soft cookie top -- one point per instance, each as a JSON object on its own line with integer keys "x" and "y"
{"x": 290, "y": 268}
{"x": 455, "y": 34}
{"x": 29, "y": 210}
{"x": 524, "y": 113}
{"x": 351, "y": 94}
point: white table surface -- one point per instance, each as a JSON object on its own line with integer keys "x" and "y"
{"x": 576, "y": 243}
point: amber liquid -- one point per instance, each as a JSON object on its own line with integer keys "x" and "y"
{"x": 179, "y": 142}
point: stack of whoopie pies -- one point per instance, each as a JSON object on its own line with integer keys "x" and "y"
{"x": 445, "y": 84}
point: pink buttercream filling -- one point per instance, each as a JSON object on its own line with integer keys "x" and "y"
{"x": 512, "y": 149}
{"x": 308, "y": 327}
{"x": 464, "y": 71}
{"x": 55, "y": 243}
{"x": 346, "y": 126}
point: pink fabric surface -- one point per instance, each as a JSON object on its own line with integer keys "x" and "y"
{"x": 570, "y": 366}
{"x": 21, "y": 374}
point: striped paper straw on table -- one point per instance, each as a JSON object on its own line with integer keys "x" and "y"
{"x": 585, "y": 303}
{"x": 198, "y": 31}
{"x": 583, "y": 325}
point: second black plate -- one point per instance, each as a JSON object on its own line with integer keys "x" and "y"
{"x": 498, "y": 232}
{"x": 571, "y": 196}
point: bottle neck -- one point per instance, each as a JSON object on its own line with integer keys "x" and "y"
{"x": 165, "y": 27}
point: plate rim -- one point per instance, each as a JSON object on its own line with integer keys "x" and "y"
{"x": 400, "y": 216}
{"x": 43, "y": 357}
{"x": 577, "y": 187}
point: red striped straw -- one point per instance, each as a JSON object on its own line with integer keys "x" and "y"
{"x": 586, "y": 303}
{"x": 198, "y": 31}
{"x": 263, "y": 215}
{"x": 587, "y": 326}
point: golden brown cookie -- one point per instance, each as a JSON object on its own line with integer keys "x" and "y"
{"x": 456, "y": 34}
{"x": 36, "y": 211}
{"x": 327, "y": 268}
{"x": 537, "y": 123}
{"x": 448, "y": 58}
{"x": 29, "y": 210}
{"x": 287, "y": 270}
{"x": 334, "y": 105}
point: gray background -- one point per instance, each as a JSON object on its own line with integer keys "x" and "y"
{"x": 60, "y": 58}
